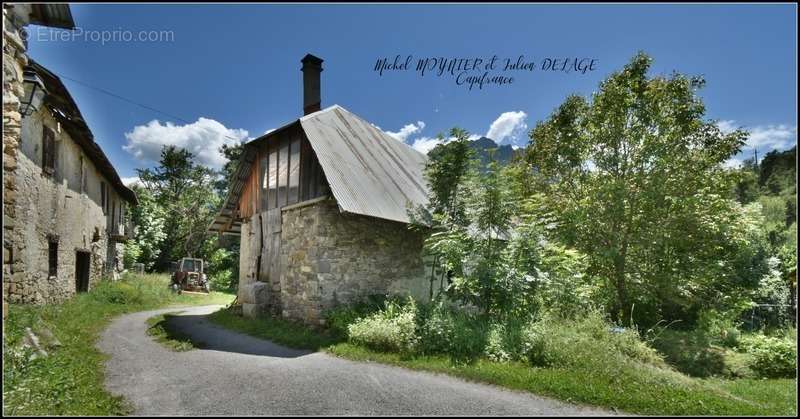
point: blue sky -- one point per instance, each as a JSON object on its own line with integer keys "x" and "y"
{"x": 233, "y": 71}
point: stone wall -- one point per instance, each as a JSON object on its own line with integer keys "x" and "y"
{"x": 64, "y": 206}
{"x": 14, "y": 60}
{"x": 329, "y": 258}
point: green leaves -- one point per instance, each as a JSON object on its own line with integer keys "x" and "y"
{"x": 634, "y": 175}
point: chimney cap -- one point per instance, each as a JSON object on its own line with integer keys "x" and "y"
{"x": 310, "y": 59}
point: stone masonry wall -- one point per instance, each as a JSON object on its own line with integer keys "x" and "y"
{"x": 329, "y": 258}
{"x": 64, "y": 206}
{"x": 14, "y": 60}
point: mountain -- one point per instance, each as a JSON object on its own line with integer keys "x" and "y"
{"x": 503, "y": 153}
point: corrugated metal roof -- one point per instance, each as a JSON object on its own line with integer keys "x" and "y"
{"x": 369, "y": 172}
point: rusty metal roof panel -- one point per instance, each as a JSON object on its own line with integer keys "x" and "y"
{"x": 369, "y": 172}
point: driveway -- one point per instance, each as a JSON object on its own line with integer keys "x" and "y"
{"x": 236, "y": 374}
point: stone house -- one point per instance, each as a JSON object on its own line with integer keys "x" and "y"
{"x": 321, "y": 205}
{"x": 63, "y": 202}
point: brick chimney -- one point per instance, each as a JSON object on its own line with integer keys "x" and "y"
{"x": 312, "y": 66}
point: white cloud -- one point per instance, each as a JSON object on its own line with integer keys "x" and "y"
{"x": 130, "y": 181}
{"x": 507, "y": 127}
{"x": 426, "y": 144}
{"x": 202, "y": 138}
{"x": 407, "y": 131}
{"x": 763, "y": 138}
{"x": 727, "y": 126}
{"x": 769, "y": 137}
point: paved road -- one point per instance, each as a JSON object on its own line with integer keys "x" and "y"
{"x": 240, "y": 375}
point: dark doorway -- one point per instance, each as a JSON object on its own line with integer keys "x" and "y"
{"x": 82, "y": 271}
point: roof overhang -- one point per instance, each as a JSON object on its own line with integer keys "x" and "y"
{"x": 370, "y": 173}
{"x": 65, "y": 111}
{"x": 56, "y": 15}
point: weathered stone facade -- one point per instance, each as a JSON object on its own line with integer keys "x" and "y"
{"x": 328, "y": 257}
{"x": 59, "y": 210}
{"x": 63, "y": 207}
{"x": 14, "y": 60}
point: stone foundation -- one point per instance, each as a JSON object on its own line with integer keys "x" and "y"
{"x": 329, "y": 258}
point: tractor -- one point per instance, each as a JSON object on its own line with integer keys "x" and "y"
{"x": 188, "y": 276}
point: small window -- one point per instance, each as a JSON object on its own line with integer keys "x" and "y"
{"x": 48, "y": 151}
{"x": 52, "y": 257}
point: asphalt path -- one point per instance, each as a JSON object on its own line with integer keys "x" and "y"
{"x": 236, "y": 374}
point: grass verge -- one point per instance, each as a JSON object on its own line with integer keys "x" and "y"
{"x": 165, "y": 334}
{"x": 70, "y": 380}
{"x": 630, "y": 388}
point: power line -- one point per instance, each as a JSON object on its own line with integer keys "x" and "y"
{"x": 133, "y": 102}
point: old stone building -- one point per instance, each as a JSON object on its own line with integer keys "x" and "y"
{"x": 63, "y": 203}
{"x": 321, "y": 205}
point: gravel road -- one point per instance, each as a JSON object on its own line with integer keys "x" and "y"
{"x": 236, "y": 374}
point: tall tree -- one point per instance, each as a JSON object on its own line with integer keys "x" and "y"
{"x": 185, "y": 191}
{"x": 635, "y": 175}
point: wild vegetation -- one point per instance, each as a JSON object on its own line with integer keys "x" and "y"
{"x": 69, "y": 380}
{"x": 619, "y": 261}
{"x": 178, "y": 199}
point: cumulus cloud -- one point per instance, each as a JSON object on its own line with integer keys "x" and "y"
{"x": 763, "y": 138}
{"x": 770, "y": 137}
{"x": 130, "y": 181}
{"x": 407, "y": 131}
{"x": 203, "y": 138}
{"x": 426, "y": 144}
{"x": 508, "y": 127}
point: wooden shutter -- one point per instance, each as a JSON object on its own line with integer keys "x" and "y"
{"x": 48, "y": 150}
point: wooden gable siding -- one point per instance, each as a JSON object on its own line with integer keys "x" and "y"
{"x": 284, "y": 172}
{"x": 249, "y": 198}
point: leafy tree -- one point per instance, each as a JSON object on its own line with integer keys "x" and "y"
{"x": 636, "y": 179}
{"x": 449, "y": 167}
{"x": 184, "y": 190}
{"x": 232, "y": 154}
{"x": 149, "y": 219}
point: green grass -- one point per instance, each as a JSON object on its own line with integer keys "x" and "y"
{"x": 163, "y": 332}
{"x": 276, "y": 330}
{"x": 632, "y": 387}
{"x": 70, "y": 380}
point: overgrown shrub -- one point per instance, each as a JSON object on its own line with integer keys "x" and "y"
{"x": 772, "y": 357}
{"x": 445, "y": 329}
{"x": 392, "y": 329}
{"x": 505, "y": 341}
{"x": 340, "y": 318}
{"x": 590, "y": 341}
{"x": 221, "y": 280}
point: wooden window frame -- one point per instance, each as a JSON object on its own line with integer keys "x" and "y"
{"x": 48, "y": 150}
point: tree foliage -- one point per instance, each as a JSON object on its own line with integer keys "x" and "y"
{"x": 635, "y": 174}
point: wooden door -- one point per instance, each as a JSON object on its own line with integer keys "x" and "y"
{"x": 81, "y": 271}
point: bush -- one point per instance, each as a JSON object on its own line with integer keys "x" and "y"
{"x": 452, "y": 331}
{"x": 340, "y": 318}
{"x": 692, "y": 352}
{"x": 505, "y": 341}
{"x": 772, "y": 357}
{"x": 221, "y": 280}
{"x": 392, "y": 329}
{"x": 587, "y": 342}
